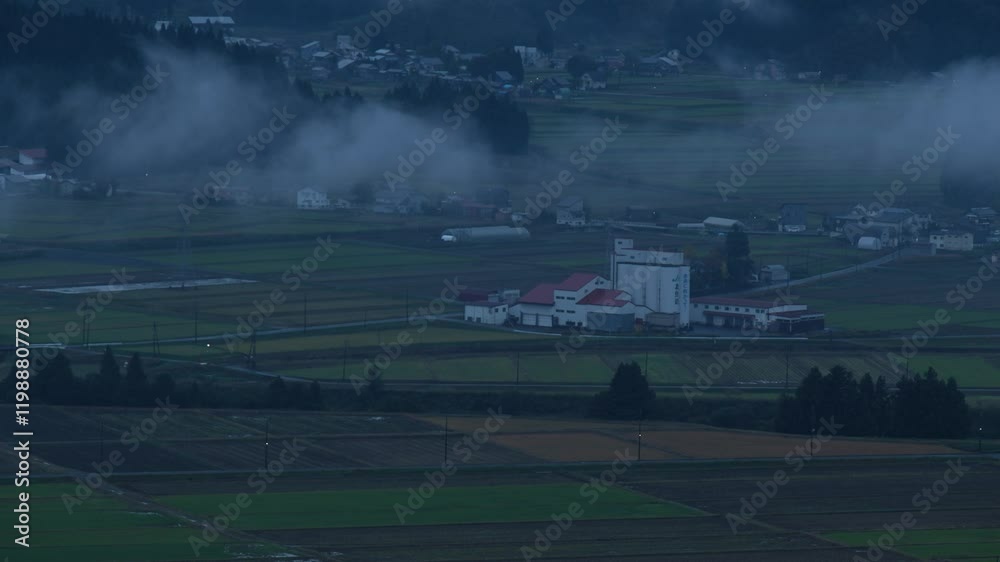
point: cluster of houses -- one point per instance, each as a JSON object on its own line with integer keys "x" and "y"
{"x": 646, "y": 289}
{"x": 22, "y": 165}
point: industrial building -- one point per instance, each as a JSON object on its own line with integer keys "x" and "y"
{"x": 485, "y": 234}
{"x": 737, "y": 313}
{"x": 657, "y": 281}
{"x": 583, "y": 300}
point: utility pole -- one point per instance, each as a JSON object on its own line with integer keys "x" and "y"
{"x": 343, "y": 367}
{"x": 156, "y": 340}
{"x": 267, "y": 439}
{"x": 100, "y": 437}
{"x": 786, "y": 370}
{"x": 446, "y": 437}
{"x": 196, "y": 320}
{"x": 639, "y": 459}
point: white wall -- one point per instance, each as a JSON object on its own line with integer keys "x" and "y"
{"x": 494, "y": 315}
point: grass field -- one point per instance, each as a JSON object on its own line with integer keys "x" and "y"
{"x": 448, "y": 506}
{"x": 105, "y": 528}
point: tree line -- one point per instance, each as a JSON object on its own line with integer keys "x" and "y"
{"x": 56, "y": 384}
{"x": 499, "y": 119}
{"x": 922, "y": 406}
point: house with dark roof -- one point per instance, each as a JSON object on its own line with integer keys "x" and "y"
{"x": 793, "y": 218}
{"x": 570, "y": 211}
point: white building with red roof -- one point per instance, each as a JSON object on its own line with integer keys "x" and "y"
{"x": 581, "y": 300}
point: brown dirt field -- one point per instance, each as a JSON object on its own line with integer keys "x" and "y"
{"x": 577, "y": 447}
{"x": 710, "y": 444}
{"x": 530, "y": 425}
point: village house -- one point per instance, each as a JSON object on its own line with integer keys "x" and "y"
{"x": 209, "y": 23}
{"x": 399, "y": 202}
{"x": 570, "y": 212}
{"x": 793, "y": 218}
{"x": 309, "y": 198}
{"x": 952, "y": 240}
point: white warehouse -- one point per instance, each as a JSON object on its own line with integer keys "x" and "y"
{"x": 658, "y": 281}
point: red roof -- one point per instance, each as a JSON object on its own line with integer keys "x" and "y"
{"x": 37, "y": 153}
{"x": 542, "y": 294}
{"x": 576, "y": 281}
{"x": 604, "y": 297}
{"x": 726, "y": 301}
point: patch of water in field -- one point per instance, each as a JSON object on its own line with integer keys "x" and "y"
{"x": 144, "y": 286}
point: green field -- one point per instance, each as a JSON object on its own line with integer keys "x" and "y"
{"x": 449, "y": 505}
{"x": 934, "y": 544}
{"x": 110, "y": 529}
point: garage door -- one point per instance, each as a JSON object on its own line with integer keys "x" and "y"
{"x": 529, "y": 319}
{"x": 545, "y": 321}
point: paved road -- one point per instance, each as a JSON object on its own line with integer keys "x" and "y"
{"x": 828, "y": 275}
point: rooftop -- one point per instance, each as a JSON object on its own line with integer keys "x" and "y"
{"x": 604, "y": 297}
{"x": 576, "y": 281}
{"x": 728, "y": 301}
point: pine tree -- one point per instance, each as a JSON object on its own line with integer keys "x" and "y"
{"x": 136, "y": 384}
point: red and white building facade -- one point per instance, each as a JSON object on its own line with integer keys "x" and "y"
{"x": 582, "y": 300}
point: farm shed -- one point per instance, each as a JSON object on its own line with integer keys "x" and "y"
{"x": 486, "y": 234}
{"x": 721, "y": 224}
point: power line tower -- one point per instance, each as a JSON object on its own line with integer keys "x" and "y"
{"x": 252, "y": 356}
{"x": 184, "y": 263}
